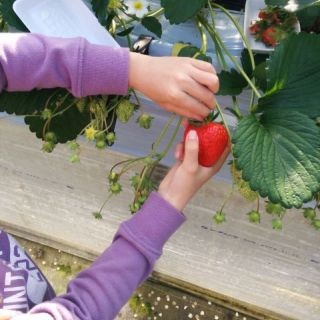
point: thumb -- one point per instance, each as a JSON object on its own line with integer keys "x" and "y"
{"x": 191, "y": 149}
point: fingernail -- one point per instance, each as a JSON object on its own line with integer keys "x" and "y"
{"x": 192, "y": 135}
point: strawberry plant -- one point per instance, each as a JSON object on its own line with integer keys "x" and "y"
{"x": 276, "y": 144}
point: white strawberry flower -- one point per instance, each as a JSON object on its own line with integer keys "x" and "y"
{"x": 137, "y": 7}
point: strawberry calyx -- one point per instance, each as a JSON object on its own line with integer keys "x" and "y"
{"x": 210, "y": 118}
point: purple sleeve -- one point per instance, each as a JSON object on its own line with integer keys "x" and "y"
{"x": 100, "y": 291}
{"x": 30, "y": 61}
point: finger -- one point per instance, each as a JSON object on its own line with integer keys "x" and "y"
{"x": 184, "y": 122}
{"x": 203, "y": 65}
{"x": 191, "y": 150}
{"x": 198, "y": 109}
{"x": 201, "y": 93}
{"x": 182, "y": 111}
{"x": 222, "y": 159}
{"x": 209, "y": 80}
{"x": 179, "y": 151}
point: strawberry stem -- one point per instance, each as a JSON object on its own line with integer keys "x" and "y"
{"x": 223, "y": 119}
{"x": 214, "y": 35}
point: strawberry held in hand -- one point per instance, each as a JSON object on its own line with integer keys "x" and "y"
{"x": 213, "y": 140}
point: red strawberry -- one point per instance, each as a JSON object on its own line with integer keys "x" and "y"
{"x": 254, "y": 28}
{"x": 213, "y": 139}
{"x": 269, "y": 36}
{"x": 262, "y": 15}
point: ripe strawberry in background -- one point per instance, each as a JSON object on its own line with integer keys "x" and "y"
{"x": 269, "y": 36}
{"x": 254, "y": 28}
{"x": 213, "y": 140}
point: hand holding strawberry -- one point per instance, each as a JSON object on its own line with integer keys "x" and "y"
{"x": 213, "y": 140}
{"x": 187, "y": 176}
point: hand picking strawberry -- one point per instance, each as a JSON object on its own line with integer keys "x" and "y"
{"x": 213, "y": 140}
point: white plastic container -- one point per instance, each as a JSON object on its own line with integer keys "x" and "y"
{"x": 62, "y": 18}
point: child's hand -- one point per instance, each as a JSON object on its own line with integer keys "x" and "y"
{"x": 184, "y": 86}
{"x": 187, "y": 177}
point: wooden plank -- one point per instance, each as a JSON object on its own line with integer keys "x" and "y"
{"x": 274, "y": 274}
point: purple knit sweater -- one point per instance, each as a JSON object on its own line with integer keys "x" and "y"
{"x": 29, "y": 61}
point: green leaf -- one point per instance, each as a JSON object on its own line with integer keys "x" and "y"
{"x": 153, "y": 25}
{"x": 203, "y": 57}
{"x": 308, "y": 17}
{"x": 177, "y": 11}
{"x": 23, "y": 103}
{"x": 191, "y": 51}
{"x": 188, "y": 51}
{"x": 293, "y": 74}
{"x": 6, "y": 11}
{"x": 279, "y": 155}
{"x": 125, "y": 32}
{"x": 298, "y": 4}
{"x": 246, "y": 62}
{"x": 66, "y": 126}
{"x": 231, "y": 83}
{"x": 100, "y": 9}
{"x": 260, "y": 75}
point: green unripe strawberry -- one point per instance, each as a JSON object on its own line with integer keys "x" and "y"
{"x": 74, "y": 158}
{"x": 101, "y": 144}
{"x": 48, "y": 146}
{"x": 111, "y": 137}
{"x": 316, "y": 224}
{"x": 145, "y": 120}
{"x": 113, "y": 177}
{"x": 142, "y": 199}
{"x": 114, "y": 4}
{"x": 81, "y": 104}
{"x": 46, "y": 114}
{"x": 125, "y": 110}
{"x": 134, "y": 207}
{"x": 254, "y": 216}
{"x": 277, "y": 224}
{"x": 135, "y": 181}
{"x": 100, "y": 136}
{"x": 50, "y": 136}
{"x": 309, "y": 213}
{"x": 115, "y": 188}
{"x": 148, "y": 160}
{"x": 73, "y": 145}
{"x": 93, "y": 106}
{"x": 274, "y": 208}
{"x": 219, "y": 217}
{"x": 97, "y": 215}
